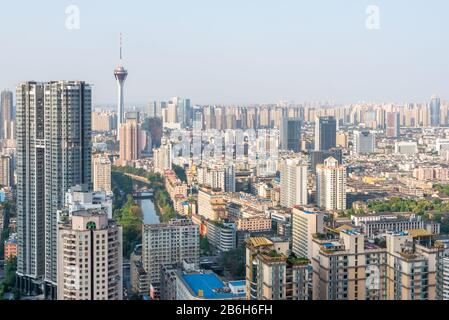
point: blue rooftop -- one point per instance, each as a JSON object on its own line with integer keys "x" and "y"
{"x": 208, "y": 283}
{"x": 238, "y": 283}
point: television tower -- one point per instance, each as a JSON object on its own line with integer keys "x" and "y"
{"x": 120, "y": 75}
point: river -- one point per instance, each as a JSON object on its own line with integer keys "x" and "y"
{"x": 149, "y": 212}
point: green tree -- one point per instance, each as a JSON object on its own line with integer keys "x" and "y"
{"x": 234, "y": 262}
{"x": 205, "y": 246}
{"x": 130, "y": 217}
{"x": 9, "y": 281}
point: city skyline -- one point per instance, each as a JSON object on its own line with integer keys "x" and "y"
{"x": 296, "y": 51}
{"x": 224, "y": 152}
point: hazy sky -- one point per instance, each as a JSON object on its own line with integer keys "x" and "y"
{"x": 233, "y": 51}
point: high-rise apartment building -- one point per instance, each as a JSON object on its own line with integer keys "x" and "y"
{"x": 364, "y": 142}
{"x": 177, "y": 113}
{"x": 306, "y": 222}
{"x": 163, "y": 157}
{"x": 155, "y": 109}
{"x": 104, "y": 121}
{"x": 6, "y": 114}
{"x": 393, "y": 127}
{"x": 101, "y": 173}
{"x": 272, "y": 273}
{"x": 445, "y": 275}
{"x": 90, "y": 263}
{"x": 325, "y": 133}
{"x": 53, "y": 154}
{"x": 6, "y": 171}
{"x": 318, "y": 157}
{"x": 345, "y": 268}
{"x": 132, "y": 139}
{"x": 331, "y": 185}
{"x": 414, "y": 262}
{"x": 342, "y": 140}
{"x": 435, "y": 111}
{"x": 293, "y": 183}
{"x": 169, "y": 243}
{"x": 348, "y": 267}
{"x": 217, "y": 177}
{"x": 290, "y": 134}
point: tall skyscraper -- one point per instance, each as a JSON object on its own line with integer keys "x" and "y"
{"x": 132, "y": 138}
{"x": 331, "y": 185}
{"x": 120, "y": 75}
{"x": 53, "y": 154}
{"x": 364, "y": 142}
{"x": 293, "y": 183}
{"x": 435, "y": 109}
{"x": 393, "y": 125}
{"x": 86, "y": 238}
{"x": 325, "y": 133}
{"x": 6, "y": 111}
{"x": 290, "y": 132}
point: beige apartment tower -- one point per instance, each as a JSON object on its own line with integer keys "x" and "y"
{"x": 132, "y": 139}
{"x": 90, "y": 258}
{"x": 347, "y": 266}
{"x": 272, "y": 273}
{"x": 101, "y": 173}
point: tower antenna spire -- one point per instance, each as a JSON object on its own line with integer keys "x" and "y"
{"x": 121, "y": 48}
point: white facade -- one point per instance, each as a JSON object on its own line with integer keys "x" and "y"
{"x": 331, "y": 185}
{"x": 293, "y": 183}
{"x": 446, "y": 278}
{"x": 218, "y": 177}
{"x": 306, "y": 222}
{"x": 163, "y": 158}
{"x": 80, "y": 198}
{"x": 406, "y": 147}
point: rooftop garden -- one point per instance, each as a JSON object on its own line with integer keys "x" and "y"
{"x": 294, "y": 260}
